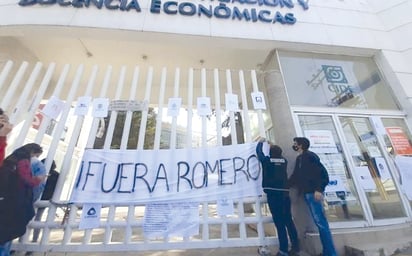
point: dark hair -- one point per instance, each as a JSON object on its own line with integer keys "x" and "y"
{"x": 33, "y": 148}
{"x": 23, "y": 152}
{"x": 275, "y": 151}
{"x": 1, "y": 111}
{"x": 302, "y": 141}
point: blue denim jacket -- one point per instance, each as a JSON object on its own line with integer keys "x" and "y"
{"x": 38, "y": 169}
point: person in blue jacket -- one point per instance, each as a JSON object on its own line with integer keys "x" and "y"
{"x": 274, "y": 184}
{"x": 38, "y": 169}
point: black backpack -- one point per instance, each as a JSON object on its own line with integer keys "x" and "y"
{"x": 324, "y": 175}
{"x": 8, "y": 186}
{"x": 8, "y": 195}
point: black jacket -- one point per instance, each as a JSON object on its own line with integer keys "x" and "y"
{"x": 309, "y": 174}
{"x": 274, "y": 171}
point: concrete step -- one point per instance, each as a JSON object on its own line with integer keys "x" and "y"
{"x": 399, "y": 247}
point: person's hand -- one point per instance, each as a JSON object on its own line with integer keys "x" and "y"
{"x": 42, "y": 178}
{"x": 318, "y": 196}
{"x": 262, "y": 139}
{"x": 5, "y": 126}
{"x": 4, "y": 119}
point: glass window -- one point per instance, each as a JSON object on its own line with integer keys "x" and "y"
{"x": 398, "y": 141}
{"x": 371, "y": 168}
{"x": 335, "y": 81}
{"x": 341, "y": 195}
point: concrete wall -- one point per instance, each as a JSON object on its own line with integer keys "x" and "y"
{"x": 397, "y": 22}
{"x": 349, "y": 23}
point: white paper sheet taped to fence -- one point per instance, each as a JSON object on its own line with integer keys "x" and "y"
{"x": 108, "y": 176}
{"x": 171, "y": 219}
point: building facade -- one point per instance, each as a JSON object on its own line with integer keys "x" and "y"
{"x": 334, "y": 71}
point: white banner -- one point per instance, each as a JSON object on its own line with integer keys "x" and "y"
{"x": 108, "y": 176}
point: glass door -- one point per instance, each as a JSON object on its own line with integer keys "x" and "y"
{"x": 397, "y": 140}
{"x": 342, "y": 199}
{"x": 371, "y": 169}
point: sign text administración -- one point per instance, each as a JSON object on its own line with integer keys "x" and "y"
{"x": 222, "y": 10}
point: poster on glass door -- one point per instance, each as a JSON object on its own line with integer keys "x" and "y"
{"x": 321, "y": 141}
{"x": 338, "y": 189}
{"x": 404, "y": 166}
{"x": 400, "y": 142}
{"x": 365, "y": 178}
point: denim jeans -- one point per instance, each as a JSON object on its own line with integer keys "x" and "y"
{"x": 279, "y": 205}
{"x": 318, "y": 216}
{"x": 5, "y": 248}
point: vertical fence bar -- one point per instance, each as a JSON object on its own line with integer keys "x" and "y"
{"x": 86, "y": 120}
{"x": 13, "y": 86}
{"x": 245, "y": 107}
{"x": 25, "y": 93}
{"x": 142, "y": 131}
{"x": 218, "y": 109}
{"x": 204, "y": 118}
{"x": 39, "y": 97}
{"x": 233, "y": 132}
{"x": 129, "y": 113}
{"x": 259, "y": 111}
{"x": 189, "y": 108}
{"x": 242, "y": 225}
{"x": 158, "y": 131}
{"x": 109, "y": 230}
{"x": 113, "y": 114}
{"x": 174, "y": 118}
{"x": 96, "y": 121}
{"x": 261, "y": 231}
{"x": 4, "y": 73}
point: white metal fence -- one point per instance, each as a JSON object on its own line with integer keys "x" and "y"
{"x": 27, "y": 87}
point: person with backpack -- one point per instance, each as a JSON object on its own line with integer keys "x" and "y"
{"x": 310, "y": 178}
{"x": 16, "y": 194}
{"x": 274, "y": 184}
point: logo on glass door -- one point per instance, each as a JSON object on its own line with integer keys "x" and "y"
{"x": 334, "y": 74}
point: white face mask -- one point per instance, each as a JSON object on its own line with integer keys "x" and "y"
{"x": 34, "y": 159}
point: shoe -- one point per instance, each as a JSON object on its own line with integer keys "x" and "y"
{"x": 294, "y": 252}
{"x": 280, "y": 253}
{"x": 263, "y": 251}
{"x": 28, "y": 254}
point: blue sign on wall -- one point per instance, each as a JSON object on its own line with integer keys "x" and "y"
{"x": 244, "y": 10}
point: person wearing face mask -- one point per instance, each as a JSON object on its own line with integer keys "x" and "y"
{"x": 310, "y": 178}
{"x": 274, "y": 181}
{"x": 16, "y": 194}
